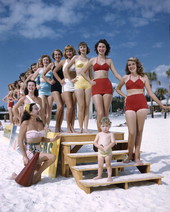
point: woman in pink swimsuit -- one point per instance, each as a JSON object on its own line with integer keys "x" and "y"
{"x": 32, "y": 133}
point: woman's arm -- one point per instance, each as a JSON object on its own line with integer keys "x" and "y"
{"x": 56, "y": 69}
{"x": 4, "y": 99}
{"x": 68, "y": 66}
{"x": 85, "y": 69}
{"x": 114, "y": 71}
{"x": 21, "y": 137}
{"x": 119, "y": 87}
{"x": 46, "y": 140}
{"x": 35, "y": 75}
{"x": 16, "y": 106}
{"x": 152, "y": 95}
{"x": 46, "y": 71}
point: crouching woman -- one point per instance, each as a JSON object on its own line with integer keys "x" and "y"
{"x": 31, "y": 134}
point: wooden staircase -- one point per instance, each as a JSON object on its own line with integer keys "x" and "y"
{"x": 81, "y": 163}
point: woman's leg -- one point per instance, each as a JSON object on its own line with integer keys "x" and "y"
{"x": 99, "y": 106}
{"x": 87, "y": 104}
{"x": 49, "y": 108}
{"x": 107, "y": 99}
{"x": 74, "y": 111}
{"x": 80, "y": 96}
{"x": 132, "y": 131}
{"x": 44, "y": 103}
{"x": 60, "y": 110}
{"x": 69, "y": 104}
{"x": 141, "y": 116}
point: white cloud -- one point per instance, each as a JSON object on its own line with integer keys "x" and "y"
{"x": 161, "y": 70}
{"x": 129, "y": 44}
{"x": 31, "y": 18}
{"x": 158, "y": 45}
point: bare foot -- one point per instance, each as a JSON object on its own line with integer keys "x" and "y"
{"x": 139, "y": 162}
{"x": 97, "y": 178}
{"x": 109, "y": 179}
{"x": 127, "y": 160}
{"x": 13, "y": 176}
{"x": 86, "y": 131}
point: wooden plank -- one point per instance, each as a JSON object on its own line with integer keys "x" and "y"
{"x": 91, "y": 167}
{"x": 75, "y": 137}
{"x": 121, "y": 180}
{"x": 93, "y": 154}
{"x": 88, "y": 142}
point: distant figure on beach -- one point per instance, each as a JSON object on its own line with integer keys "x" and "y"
{"x": 82, "y": 87}
{"x": 102, "y": 89}
{"x": 9, "y": 99}
{"x": 136, "y": 108}
{"x": 1, "y": 126}
{"x": 104, "y": 141}
{"x": 30, "y": 135}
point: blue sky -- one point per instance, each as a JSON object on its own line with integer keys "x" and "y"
{"x": 29, "y": 29}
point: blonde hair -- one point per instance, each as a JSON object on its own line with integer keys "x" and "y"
{"x": 105, "y": 120}
{"x": 69, "y": 47}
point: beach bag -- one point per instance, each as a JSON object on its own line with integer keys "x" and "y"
{"x": 25, "y": 177}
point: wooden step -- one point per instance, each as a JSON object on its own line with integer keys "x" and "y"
{"x": 116, "y": 166}
{"x": 88, "y": 142}
{"x": 121, "y": 181}
{"x": 86, "y": 157}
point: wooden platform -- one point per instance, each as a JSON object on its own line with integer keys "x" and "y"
{"x": 71, "y": 143}
{"x": 121, "y": 181}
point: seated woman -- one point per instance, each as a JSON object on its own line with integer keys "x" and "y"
{"x": 32, "y": 133}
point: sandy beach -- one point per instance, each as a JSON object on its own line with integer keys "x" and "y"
{"x": 63, "y": 195}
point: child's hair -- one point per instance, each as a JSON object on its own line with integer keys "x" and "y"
{"x": 105, "y": 120}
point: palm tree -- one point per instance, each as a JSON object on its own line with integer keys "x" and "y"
{"x": 168, "y": 75}
{"x": 152, "y": 77}
{"x": 160, "y": 92}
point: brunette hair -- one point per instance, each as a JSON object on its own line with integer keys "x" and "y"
{"x": 106, "y": 44}
{"x": 57, "y": 50}
{"x": 26, "y": 89}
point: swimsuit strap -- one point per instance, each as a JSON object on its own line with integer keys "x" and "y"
{"x": 29, "y": 98}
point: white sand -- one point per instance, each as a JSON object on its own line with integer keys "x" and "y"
{"x": 63, "y": 195}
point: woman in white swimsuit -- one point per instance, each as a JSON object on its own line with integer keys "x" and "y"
{"x": 68, "y": 86}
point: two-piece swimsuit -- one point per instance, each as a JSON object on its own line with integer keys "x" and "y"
{"x": 11, "y": 102}
{"x": 69, "y": 85}
{"x": 31, "y": 148}
{"x": 81, "y": 83}
{"x": 135, "y": 102}
{"x": 57, "y": 86}
{"x": 103, "y": 85}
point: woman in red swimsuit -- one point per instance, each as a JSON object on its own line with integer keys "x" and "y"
{"x": 136, "y": 108}
{"x": 102, "y": 90}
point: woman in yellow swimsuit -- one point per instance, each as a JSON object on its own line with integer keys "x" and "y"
{"x": 82, "y": 87}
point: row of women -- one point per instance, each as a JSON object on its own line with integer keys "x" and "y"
{"x": 76, "y": 78}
